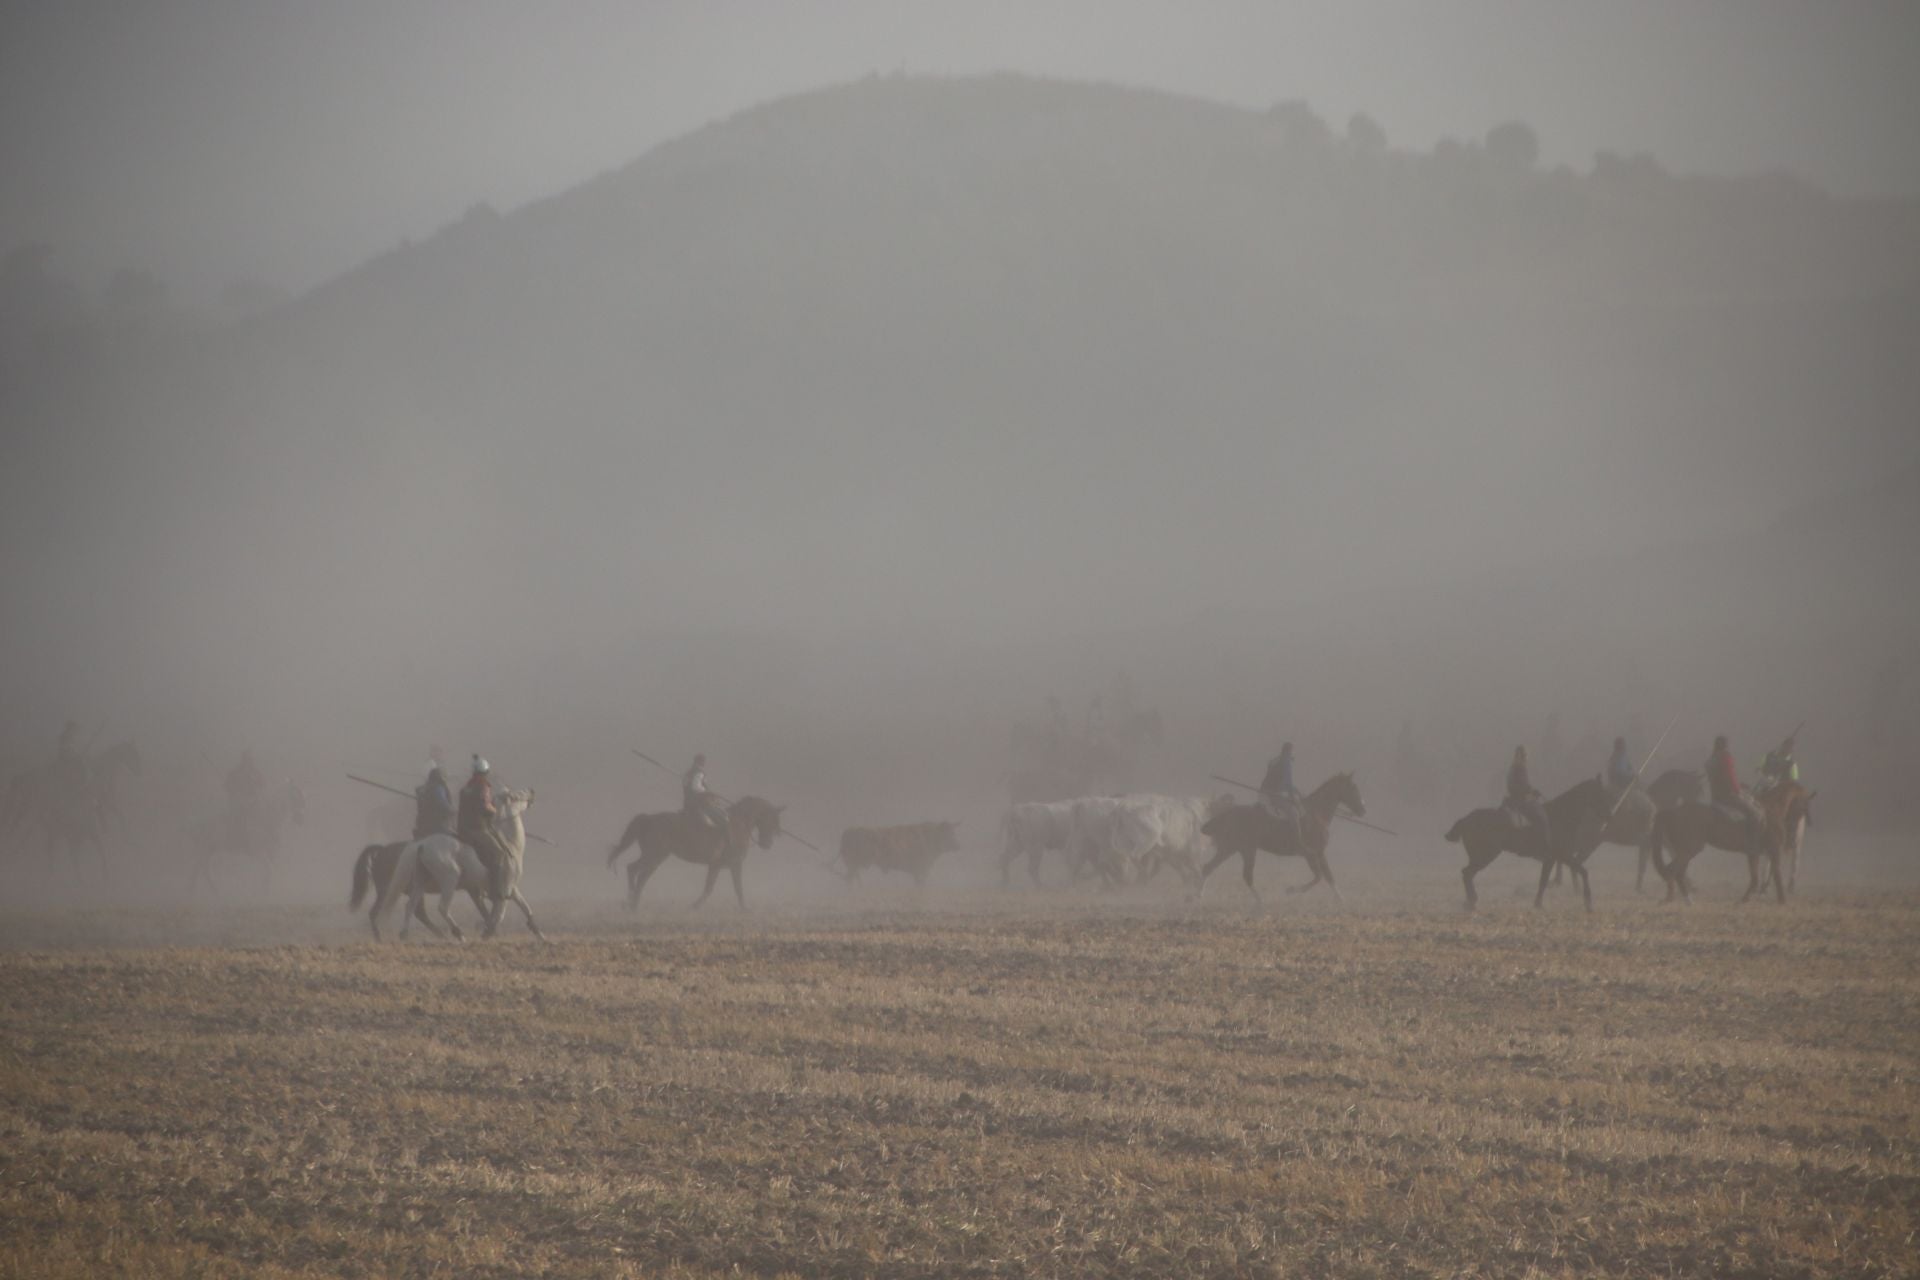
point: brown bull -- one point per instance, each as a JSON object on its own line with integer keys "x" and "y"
{"x": 911, "y": 849}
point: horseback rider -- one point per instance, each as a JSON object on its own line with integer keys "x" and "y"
{"x": 1280, "y": 797}
{"x": 244, "y": 785}
{"x": 1620, "y": 770}
{"x": 1524, "y": 799}
{"x": 1779, "y": 766}
{"x": 474, "y": 825}
{"x": 1724, "y": 785}
{"x": 699, "y": 802}
{"x": 433, "y": 803}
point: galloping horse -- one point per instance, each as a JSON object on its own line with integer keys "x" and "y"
{"x": 1245, "y": 829}
{"x": 1575, "y": 816}
{"x": 255, "y": 838}
{"x": 1689, "y": 828}
{"x": 682, "y": 835}
{"x": 450, "y": 866}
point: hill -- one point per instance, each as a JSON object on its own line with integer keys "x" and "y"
{"x": 1009, "y": 357}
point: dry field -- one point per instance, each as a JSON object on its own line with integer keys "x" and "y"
{"x": 1028, "y": 1086}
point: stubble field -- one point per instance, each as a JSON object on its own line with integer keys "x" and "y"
{"x": 1041, "y": 1088}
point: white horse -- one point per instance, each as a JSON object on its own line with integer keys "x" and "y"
{"x": 448, "y": 866}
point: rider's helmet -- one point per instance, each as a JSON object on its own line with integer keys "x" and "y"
{"x": 1720, "y": 742}
{"x": 480, "y": 764}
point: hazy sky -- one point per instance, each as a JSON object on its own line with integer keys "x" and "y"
{"x": 214, "y": 139}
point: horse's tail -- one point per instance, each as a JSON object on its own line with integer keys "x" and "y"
{"x": 628, "y": 838}
{"x": 1456, "y": 832}
{"x": 362, "y": 876}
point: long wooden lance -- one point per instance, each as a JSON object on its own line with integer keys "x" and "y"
{"x": 1642, "y": 769}
{"x": 1338, "y": 813}
{"x": 728, "y": 804}
{"x": 369, "y": 782}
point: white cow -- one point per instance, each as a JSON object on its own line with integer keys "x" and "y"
{"x": 1031, "y": 830}
{"x": 1132, "y": 837}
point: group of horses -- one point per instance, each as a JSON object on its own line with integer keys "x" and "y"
{"x": 1668, "y": 822}
{"x": 1669, "y": 817}
{"x": 73, "y": 807}
{"x": 443, "y": 865}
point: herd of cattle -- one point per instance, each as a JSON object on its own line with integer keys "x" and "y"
{"x": 1118, "y": 838}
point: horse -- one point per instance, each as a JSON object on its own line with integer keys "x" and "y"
{"x": 1791, "y": 805}
{"x": 1630, "y": 824}
{"x": 686, "y": 836}
{"x": 1485, "y": 834}
{"x": 1671, "y": 789}
{"x": 373, "y": 871}
{"x": 1689, "y": 828}
{"x": 253, "y": 836}
{"x": 1245, "y": 829}
{"x": 442, "y": 861}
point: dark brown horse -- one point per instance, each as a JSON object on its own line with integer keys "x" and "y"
{"x": 1244, "y": 829}
{"x": 679, "y": 834}
{"x": 1574, "y": 817}
{"x": 1670, "y": 790}
{"x": 1688, "y": 829}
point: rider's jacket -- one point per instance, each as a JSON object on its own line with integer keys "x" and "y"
{"x": 1519, "y": 785}
{"x": 1279, "y": 777}
{"x": 1780, "y": 767}
{"x": 433, "y": 804}
{"x": 1722, "y": 781}
{"x": 476, "y": 803}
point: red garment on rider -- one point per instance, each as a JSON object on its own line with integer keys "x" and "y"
{"x": 476, "y": 803}
{"x": 1721, "y": 778}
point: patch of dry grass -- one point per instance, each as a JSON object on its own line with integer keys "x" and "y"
{"x": 1200, "y": 1091}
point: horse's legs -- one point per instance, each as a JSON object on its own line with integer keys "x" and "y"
{"x": 1547, "y": 864}
{"x": 446, "y": 914}
{"x": 1033, "y": 864}
{"x": 1219, "y": 856}
{"x": 1324, "y": 870}
{"x": 1586, "y": 883}
{"x": 417, "y": 892}
{"x": 1640, "y": 875}
{"x": 1246, "y": 872}
{"x": 713, "y": 877}
{"x": 1779, "y": 889}
{"x": 1476, "y": 863}
{"x": 637, "y": 873}
{"x": 739, "y": 890}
